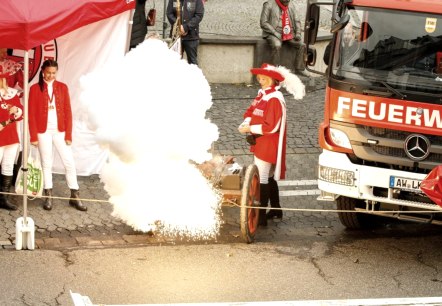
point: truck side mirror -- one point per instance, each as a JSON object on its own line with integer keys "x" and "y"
{"x": 310, "y": 56}
{"x": 311, "y": 24}
{"x": 340, "y": 24}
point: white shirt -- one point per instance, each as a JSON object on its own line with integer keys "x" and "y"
{"x": 52, "y": 111}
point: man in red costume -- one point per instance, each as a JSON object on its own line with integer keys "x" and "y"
{"x": 265, "y": 119}
{"x": 280, "y": 26}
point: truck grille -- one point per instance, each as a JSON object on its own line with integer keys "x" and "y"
{"x": 400, "y": 135}
{"x": 388, "y": 151}
{"x": 386, "y": 148}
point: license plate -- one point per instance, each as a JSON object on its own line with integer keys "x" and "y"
{"x": 405, "y": 184}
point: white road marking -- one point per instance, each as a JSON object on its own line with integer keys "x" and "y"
{"x": 294, "y": 193}
{"x": 298, "y": 183}
{"x": 83, "y": 300}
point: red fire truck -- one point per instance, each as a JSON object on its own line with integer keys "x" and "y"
{"x": 382, "y": 128}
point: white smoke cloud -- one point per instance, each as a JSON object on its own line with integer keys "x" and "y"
{"x": 149, "y": 109}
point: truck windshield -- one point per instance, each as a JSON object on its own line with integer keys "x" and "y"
{"x": 398, "y": 50}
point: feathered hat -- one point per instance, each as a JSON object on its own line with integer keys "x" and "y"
{"x": 269, "y": 71}
{"x": 288, "y": 80}
{"x": 292, "y": 83}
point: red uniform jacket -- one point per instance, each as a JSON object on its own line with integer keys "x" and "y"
{"x": 268, "y": 118}
{"x": 38, "y": 110}
{"x": 9, "y": 133}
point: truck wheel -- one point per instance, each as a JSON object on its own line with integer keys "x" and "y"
{"x": 351, "y": 220}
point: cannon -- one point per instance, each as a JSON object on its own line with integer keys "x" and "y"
{"x": 239, "y": 186}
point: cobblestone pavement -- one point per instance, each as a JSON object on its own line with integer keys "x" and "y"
{"x": 65, "y": 227}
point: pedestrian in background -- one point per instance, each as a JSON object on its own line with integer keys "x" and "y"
{"x": 50, "y": 125}
{"x": 11, "y": 111}
{"x": 280, "y": 26}
{"x": 265, "y": 119}
{"x": 139, "y": 24}
{"x": 191, "y": 14}
{"x": 348, "y": 46}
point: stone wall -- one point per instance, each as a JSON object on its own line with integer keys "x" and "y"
{"x": 227, "y": 59}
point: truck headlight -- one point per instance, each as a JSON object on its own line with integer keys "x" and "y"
{"x": 339, "y": 138}
{"x": 336, "y": 176}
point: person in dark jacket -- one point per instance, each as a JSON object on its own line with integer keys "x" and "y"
{"x": 348, "y": 46}
{"x": 192, "y": 12}
{"x": 139, "y": 26}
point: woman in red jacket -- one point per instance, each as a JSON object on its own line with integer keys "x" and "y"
{"x": 265, "y": 119}
{"x": 50, "y": 125}
{"x": 11, "y": 111}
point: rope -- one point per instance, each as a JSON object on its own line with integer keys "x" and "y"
{"x": 230, "y": 203}
{"x": 53, "y": 197}
{"x": 234, "y": 204}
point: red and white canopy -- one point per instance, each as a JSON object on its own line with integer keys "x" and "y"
{"x": 26, "y": 24}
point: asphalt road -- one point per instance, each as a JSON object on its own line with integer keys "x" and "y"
{"x": 308, "y": 255}
{"x": 311, "y": 265}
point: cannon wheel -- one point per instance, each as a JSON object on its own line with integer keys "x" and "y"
{"x": 249, "y": 197}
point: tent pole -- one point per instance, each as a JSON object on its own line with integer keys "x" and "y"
{"x": 129, "y": 29}
{"x": 25, "y": 226}
{"x": 25, "y": 135}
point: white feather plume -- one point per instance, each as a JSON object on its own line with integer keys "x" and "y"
{"x": 292, "y": 83}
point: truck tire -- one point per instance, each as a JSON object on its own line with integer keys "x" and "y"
{"x": 351, "y": 220}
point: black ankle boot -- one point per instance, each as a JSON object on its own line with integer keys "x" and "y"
{"x": 274, "y": 214}
{"x": 47, "y": 205}
{"x": 263, "y": 199}
{"x": 75, "y": 200}
{"x": 274, "y": 200}
{"x": 5, "y": 186}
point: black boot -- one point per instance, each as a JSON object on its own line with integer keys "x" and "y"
{"x": 274, "y": 200}
{"x": 6, "y": 185}
{"x": 48, "y": 201}
{"x": 75, "y": 200}
{"x": 263, "y": 199}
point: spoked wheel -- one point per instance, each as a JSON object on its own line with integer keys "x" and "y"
{"x": 250, "y": 198}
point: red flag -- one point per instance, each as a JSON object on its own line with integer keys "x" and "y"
{"x": 432, "y": 185}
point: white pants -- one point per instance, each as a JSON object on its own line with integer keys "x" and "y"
{"x": 45, "y": 142}
{"x": 265, "y": 170}
{"x": 7, "y": 158}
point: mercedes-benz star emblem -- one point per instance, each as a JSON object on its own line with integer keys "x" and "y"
{"x": 417, "y": 147}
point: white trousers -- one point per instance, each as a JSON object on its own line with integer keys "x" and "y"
{"x": 7, "y": 158}
{"x": 45, "y": 142}
{"x": 265, "y": 170}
